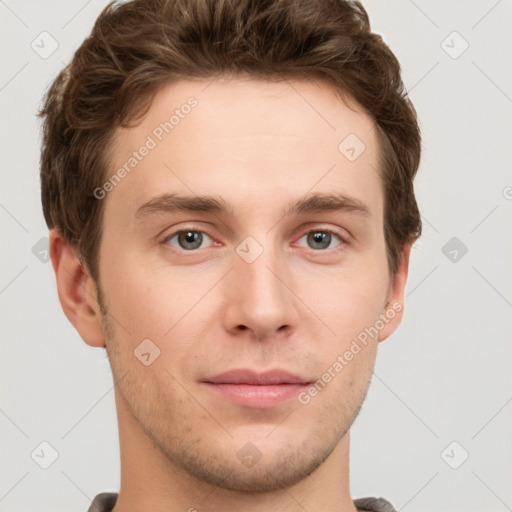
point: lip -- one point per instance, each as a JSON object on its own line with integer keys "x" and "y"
{"x": 247, "y": 376}
{"x": 260, "y": 390}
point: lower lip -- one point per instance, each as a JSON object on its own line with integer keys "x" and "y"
{"x": 256, "y": 395}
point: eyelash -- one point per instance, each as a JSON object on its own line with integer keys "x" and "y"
{"x": 195, "y": 229}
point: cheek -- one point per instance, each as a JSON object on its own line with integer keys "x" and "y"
{"x": 346, "y": 354}
{"x": 350, "y": 299}
{"x": 148, "y": 302}
{"x": 349, "y": 304}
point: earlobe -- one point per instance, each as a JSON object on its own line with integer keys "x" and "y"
{"x": 395, "y": 306}
{"x": 76, "y": 290}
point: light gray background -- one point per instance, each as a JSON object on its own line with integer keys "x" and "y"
{"x": 444, "y": 376}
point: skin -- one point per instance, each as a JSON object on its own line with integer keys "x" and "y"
{"x": 260, "y": 146}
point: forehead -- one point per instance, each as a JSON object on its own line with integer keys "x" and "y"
{"x": 219, "y": 137}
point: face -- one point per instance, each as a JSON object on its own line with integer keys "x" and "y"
{"x": 245, "y": 238}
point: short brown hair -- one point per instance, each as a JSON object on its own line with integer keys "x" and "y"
{"x": 137, "y": 47}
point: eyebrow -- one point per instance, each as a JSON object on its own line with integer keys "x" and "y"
{"x": 312, "y": 203}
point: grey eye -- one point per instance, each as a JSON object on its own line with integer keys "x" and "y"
{"x": 320, "y": 239}
{"x": 188, "y": 239}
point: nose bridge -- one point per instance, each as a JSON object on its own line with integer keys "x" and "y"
{"x": 260, "y": 299}
{"x": 261, "y": 278}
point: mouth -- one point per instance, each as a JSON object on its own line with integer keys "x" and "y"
{"x": 258, "y": 390}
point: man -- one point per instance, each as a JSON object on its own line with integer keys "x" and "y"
{"x": 229, "y": 191}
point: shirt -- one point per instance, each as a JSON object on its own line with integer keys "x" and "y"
{"x": 105, "y": 501}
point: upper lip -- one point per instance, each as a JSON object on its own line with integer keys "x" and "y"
{"x": 246, "y": 376}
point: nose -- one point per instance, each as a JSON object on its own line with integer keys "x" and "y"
{"x": 260, "y": 297}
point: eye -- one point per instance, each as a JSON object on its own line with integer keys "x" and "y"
{"x": 321, "y": 239}
{"x": 187, "y": 239}
{"x": 192, "y": 239}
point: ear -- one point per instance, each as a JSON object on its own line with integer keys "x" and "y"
{"x": 77, "y": 291}
{"x": 393, "y": 313}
